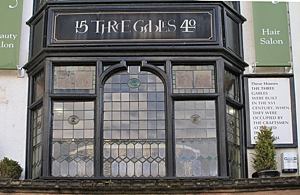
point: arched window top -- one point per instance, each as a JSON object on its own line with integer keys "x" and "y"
{"x": 132, "y": 67}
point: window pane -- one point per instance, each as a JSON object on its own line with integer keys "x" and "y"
{"x": 36, "y": 142}
{"x": 231, "y": 85}
{"x": 196, "y": 141}
{"x": 38, "y": 86}
{"x": 233, "y": 141}
{"x": 73, "y": 139}
{"x": 74, "y": 79}
{"x": 134, "y": 125}
{"x": 193, "y": 79}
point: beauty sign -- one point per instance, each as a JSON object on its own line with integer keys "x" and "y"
{"x": 10, "y": 28}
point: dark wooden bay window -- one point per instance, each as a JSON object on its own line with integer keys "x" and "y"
{"x": 158, "y": 103}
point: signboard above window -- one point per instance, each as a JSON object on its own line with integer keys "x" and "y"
{"x": 133, "y": 26}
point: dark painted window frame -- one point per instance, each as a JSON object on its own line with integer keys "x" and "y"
{"x": 239, "y": 105}
{"x": 219, "y": 97}
{"x": 32, "y": 106}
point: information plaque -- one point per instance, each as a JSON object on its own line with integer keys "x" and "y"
{"x": 270, "y": 104}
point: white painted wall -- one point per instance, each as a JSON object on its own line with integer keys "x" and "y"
{"x": 24, "y": 46}
{"x": 294, "y": 9}
{"x": 249, "y": 55}
{"x": 13, "y": 100}
{"x": 248, "y": 35}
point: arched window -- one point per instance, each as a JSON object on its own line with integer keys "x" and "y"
{"x": 134, "y": 130}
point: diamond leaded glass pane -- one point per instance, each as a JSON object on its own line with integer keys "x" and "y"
{"x": 134, "y": 125}
{"x": 37, "y": 142}
{"x": 73, "y": 139}
{"x": 233, "y": 141}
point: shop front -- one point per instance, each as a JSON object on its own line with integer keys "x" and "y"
{"x": 135, "y": 89}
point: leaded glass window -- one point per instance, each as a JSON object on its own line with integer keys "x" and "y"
{"x": 233, "y": 141}
{"x": 196, "y": 139}
{"x": 73, "y": 139}
{"x": 193, "y": 79}
{"x": 231, "y": 85}
{"x": 38, "y": 86}
{"x": 124, "y": 108}
{"x": 80, "y": 79}
{"x": 134, "y": 125}
{"x": 37, "y": 116}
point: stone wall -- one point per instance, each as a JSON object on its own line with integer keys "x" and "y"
{"x": 274, "y": 186}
